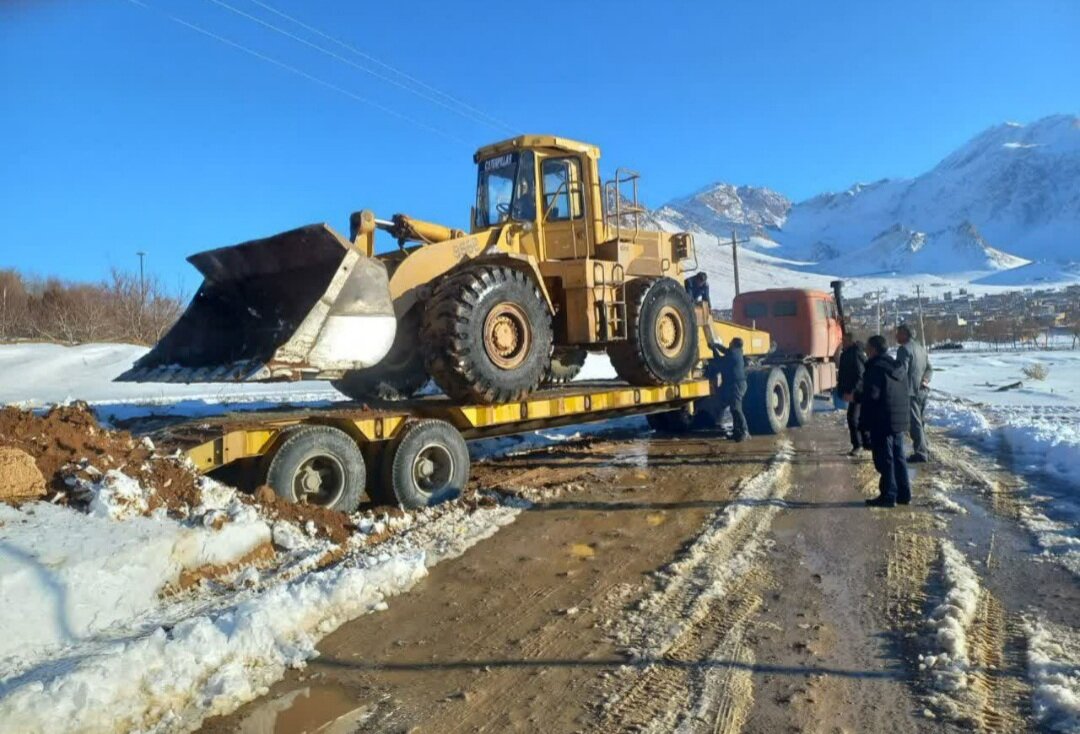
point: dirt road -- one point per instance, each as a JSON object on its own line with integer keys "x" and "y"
{"x": 690, "y": 584}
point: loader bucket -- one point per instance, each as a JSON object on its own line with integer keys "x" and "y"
{"x": 303, "y": 304}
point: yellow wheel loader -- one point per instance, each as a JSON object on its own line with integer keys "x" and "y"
{"x": 555, "y": 265}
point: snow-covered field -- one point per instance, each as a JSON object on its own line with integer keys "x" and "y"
{"x": 1034, "y": 427}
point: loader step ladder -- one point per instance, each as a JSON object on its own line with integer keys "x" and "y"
{"x": 610, "y": 314}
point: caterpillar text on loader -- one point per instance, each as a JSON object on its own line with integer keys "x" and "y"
{"x": 555, "y": 265}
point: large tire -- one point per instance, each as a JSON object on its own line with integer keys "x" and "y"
{"x": 662, "y": 336}
{"x": 487, "y": 335}
{"x": 801, "y": 387}
{"x": 566, "y": 364}
{"x": 680, "y": 420}
{"x": 427, "y": 464}
{"x": 767, "y": 405}
{"x": 317, "y": 465}
{"x": 399, "y": 375}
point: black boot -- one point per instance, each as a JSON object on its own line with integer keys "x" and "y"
{"x": 881, "y": 501}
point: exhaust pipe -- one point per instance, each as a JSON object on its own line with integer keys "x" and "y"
{"x": 303, "y": 304}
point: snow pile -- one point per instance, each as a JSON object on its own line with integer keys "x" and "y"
{"x": 66, "y": 577}
{"x": 208, "y": 664}
{"x": 949, "y": 624}
{"x": 1053, "y": 661}
{"x": 939, "y": 498}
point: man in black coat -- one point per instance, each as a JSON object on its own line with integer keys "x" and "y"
{"x": 851, "y": 365}
{"x": 886, "y": 414}
{"x": 732, "y": 366}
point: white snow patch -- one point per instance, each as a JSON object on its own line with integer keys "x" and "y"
{"x": 949, "y": 624}
{"x": 1053, "y": 662}
{"x": 939, "y": 498}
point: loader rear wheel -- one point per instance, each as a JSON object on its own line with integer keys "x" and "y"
{"x": 566, "y": 364}
{"x": 767, "y": 404}
{"x": 801, "y": 387}
{"x": 427, "y": 464}
{"x": 399, "y": 375}
{"x": 662, "y": 337}
{"x": 487, "y": 335}
{"x": 317, "y": 465}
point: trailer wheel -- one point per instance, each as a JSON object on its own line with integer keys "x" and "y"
{"x": 399, "y": 375}
{"x": 768, "y": 402}
{"x": 426, "y": 465}
{"x": 801, "y": 387}
{"x": 566, "y": 364}
{"x": 317, "y": 465}
{"x": 487, "y": 334}
{"x": 661, "y": 344}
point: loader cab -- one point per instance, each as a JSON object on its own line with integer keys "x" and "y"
{"x": 544, "y": 184}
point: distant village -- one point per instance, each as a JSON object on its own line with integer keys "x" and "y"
{"x": 1019, "y": 318}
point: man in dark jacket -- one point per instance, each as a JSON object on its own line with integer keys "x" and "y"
{"x": 732, "y": 366}
{"x": 886, "y": 414}
{"x": 698, "y": 287}
{"x": 851, "y": 365}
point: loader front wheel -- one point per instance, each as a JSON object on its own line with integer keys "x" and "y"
{"x": 487, "y": 335}
{"x": 662, "y": 337}
{"x": 399, "y": 375}
{"x": 317, "y": 465}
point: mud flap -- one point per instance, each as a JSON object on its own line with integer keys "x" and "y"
{"x": 303, "y": 304}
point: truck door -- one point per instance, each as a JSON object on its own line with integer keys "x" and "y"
{"x": 563, "y": 213}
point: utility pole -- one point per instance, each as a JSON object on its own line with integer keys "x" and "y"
{"x": 877, "y": 311}
{"x": 142, "y": 276}
{"x": 922, "y": 326}
{"x": 735, "y": 259}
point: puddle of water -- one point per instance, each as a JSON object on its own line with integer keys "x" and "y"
{"x": 311, "y": 710}
{"x": 581, "y": 550}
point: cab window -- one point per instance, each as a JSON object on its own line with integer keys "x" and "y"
{"x": 562, "y": 189}
{"x": 756, "y": 310}
{"x": 784, "y": 308}
{"x": 821, "y": 311}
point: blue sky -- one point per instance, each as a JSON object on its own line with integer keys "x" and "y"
{"x": 124, "y": 130}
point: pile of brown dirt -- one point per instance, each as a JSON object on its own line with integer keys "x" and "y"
{"x": 68, "y": 442}
{"x": 20, "y": 479}
{"x": 329, "y": 523}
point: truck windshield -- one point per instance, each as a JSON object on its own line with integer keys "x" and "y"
{"x": 505, "y": 189}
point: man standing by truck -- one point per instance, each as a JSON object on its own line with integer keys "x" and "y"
{"x": 911, "y": 354}
{"x": 732, "y": 366}
{"x": 886, "y": 414}
{"x": 851, "y": 365}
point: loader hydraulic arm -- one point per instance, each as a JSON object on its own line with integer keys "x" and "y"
{"x": 401, "y": 227}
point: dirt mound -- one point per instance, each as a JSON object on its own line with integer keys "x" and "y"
{"x": 329, "y": 523}
{"x": 20, "y": 479}
{"x": 68, "y": 442}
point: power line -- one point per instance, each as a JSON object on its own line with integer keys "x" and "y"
{"x": 488, "y": 119}
{"x": 300, "y": 72}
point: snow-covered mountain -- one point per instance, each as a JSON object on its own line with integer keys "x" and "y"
{"x": 1008, "y": 196}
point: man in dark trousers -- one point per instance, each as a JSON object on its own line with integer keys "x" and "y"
{"x": 732, "y": 367}
{"x": 885, "y": 411}
{"x": 916, "y": 362}
{"x": 851, "y": 365}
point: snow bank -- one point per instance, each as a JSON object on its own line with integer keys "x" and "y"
{"x": 206, "y": 665}
{"x": 66, "y": 576}
{"x": 1053, "y": 662}
{"x": 939, "y": 499}
{"x": 949, "y": 624}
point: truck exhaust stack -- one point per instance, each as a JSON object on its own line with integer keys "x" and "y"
{"x": 303, "y": 304}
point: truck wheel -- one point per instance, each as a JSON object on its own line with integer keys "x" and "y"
{"x": 487, "y": 335}
{"x": 768, "y": 402}
{"x": 317, "y": 465}
{"x": 662, "y": 336}
{"x": 801, "y": 387}
{"x": 566, "y": 364}
{"x": 426, "y": 465}
{"x": 399, "y": 375}
{"x": 672, "y": 421}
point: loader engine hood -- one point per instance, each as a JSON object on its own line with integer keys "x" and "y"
{"x": 303, "y": 304}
